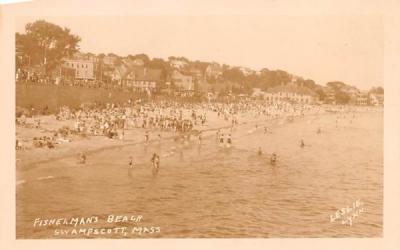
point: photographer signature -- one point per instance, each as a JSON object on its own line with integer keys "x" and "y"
{"x": 348, "y": 214}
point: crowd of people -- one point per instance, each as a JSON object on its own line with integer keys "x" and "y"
{"x": 112, "y": 120}
{"x": 183, "y": 119}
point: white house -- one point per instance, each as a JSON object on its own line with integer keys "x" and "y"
{"x": 376, "y": 99}
{"x": 178, "y": 63}
{"x": 84, "y": 69}
{"x": 362, "y": 99}
{"x": 213, "y": 70}
{"x": 182, "y": 81}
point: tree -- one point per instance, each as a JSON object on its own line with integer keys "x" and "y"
{"x": 377, "y": 90}
{"x": 232, "y": 74}
{"x": 199, "y": 65}
{"x": 159, "y": 63}
{"x": 145, "y": 58}
{"x": 310, "y": 84}
{"x": 28, "y": 51}
{"x": 321, "y": 94}
{"x": 46, "y": 43}
{"x": 341, "y": 97}
{"x": 335, "y": 85}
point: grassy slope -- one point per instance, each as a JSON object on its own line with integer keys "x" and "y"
{"x": 39, "y": 96}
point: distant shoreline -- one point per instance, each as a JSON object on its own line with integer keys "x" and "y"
{"x": 90, "y": 145}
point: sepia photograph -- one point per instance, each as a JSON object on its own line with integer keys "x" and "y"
{"x": 198, "y": 126}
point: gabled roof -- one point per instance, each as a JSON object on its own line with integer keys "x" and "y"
{"x": 180, "y": 73}
{"x": 122, "y": 70}
{"x": 144, "y": 74}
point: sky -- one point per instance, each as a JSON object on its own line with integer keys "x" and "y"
{"x": 317, "y": 46}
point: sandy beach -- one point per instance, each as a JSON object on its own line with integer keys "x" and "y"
{"x": 204, "y": 190}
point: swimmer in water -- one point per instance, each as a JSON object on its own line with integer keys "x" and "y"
{"x": 218, "y": 134}
{"x": 273, "y": 158}
{"x": 200, "y": 137}
{"x": 82, "y": 158}
{"x": 155, "y": 160}
{"x": 229, "y": 140}
{"x": 302, "y": 143}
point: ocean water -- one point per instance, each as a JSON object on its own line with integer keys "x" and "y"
{"x": 217, "y": 192}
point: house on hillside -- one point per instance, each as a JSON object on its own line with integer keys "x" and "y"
{"x": 127, "y": 61}
{"x": 198, "y": 77}
{"x": 197, "y": 74}
{"x": 183, "y": 82}
{"x": 213, "y": 70}
{"x": 84, "y": 68}
{"x": 291, "y": 93}
{"x": 376, "y": 99}
{"x": 246, "y": 71}
{"x": 362, "y": 99}
{"x": 138, "y": 62}
{"x": 142, "y": 79}
{"x": 133, "y": 62}
{"x": 118, "y": 74}
{"x": 178, "y": 63}
{"x": 109, "y": 60}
